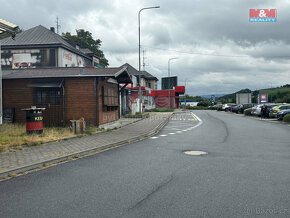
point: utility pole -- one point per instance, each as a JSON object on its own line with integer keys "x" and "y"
{"x": 144, "y": 58}
{"x": 57, "y": 25}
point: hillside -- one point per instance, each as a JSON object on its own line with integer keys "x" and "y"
{"x": 281, "y": 94}
{"x": 275, "y": 95}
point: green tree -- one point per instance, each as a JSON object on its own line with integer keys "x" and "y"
{"x": 191, "y": 98}
{"x": 204, "y": 103}
{"x": 85, "y": 39}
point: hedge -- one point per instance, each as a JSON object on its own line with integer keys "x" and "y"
{"x": 287, "y": 118}
{"x": 247, "y": 112}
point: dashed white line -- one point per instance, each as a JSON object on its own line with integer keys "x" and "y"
{"x": 155, "y": 137}
{"x": 172, "y": 133}
{"x": 163, "y": 135}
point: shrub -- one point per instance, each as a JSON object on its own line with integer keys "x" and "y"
{"x": 204, "y": 103}
{"x": 247, "y": 112}
{"x": 197, "y": 108}
{"x": 287, "y": 118}
{"x": 219, "y": 109}
{"x": 163, "y": 110}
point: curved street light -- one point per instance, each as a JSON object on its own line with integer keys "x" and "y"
{"x": 139, "y": 30}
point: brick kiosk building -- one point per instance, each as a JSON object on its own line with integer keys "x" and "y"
{"x": 66, "y": 93}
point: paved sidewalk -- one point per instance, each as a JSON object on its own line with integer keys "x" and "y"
{"x": 33, "y": 157}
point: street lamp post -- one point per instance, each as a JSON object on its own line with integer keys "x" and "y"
{"x": 169, "y": 97}
{"x": 139, "y": 91}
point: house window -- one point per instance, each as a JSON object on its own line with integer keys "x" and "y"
{"x": 110, "y": 95}
{"x": 54, "y": 97}
{"x": 48, "y": 96}
{"x": 40, "y": 97}
{"x": 149, "y": 85}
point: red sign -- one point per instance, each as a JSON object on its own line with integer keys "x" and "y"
{"x": 263, "y": 15}
{"x": 67, "y": 56}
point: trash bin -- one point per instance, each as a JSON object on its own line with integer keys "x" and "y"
{"x": 34, "y": 120}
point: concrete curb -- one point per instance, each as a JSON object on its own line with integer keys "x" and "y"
{"x": 85, "y": 152}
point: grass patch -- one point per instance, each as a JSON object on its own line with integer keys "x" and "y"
{"x": 13, "y": 136}
{"x": 197, "y": 107}
{"x": 92, "y": 130}
{"x": 162, "y": 110}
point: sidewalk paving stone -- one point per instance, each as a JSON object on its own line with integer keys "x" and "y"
{"x": 30, "y": 157}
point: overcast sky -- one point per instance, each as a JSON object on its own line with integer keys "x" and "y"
{"x": 218, "y": 49}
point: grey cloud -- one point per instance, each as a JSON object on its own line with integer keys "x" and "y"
{"x": 200, "y": 26}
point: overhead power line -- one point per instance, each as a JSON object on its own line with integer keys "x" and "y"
{"x": 197, "y": 53}
{"x": 215, "y": 55}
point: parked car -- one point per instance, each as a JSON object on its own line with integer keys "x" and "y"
{"x": 275, "y": 110}
{"x": 282, "y": 113}
{"x": 226, "y": 107}
{"x": 231, "y": 107}
{"x": 218, "y": 106}
{"x": 269, "y": 107}
{"x": 236, "y": 108}
{"x": 239, "y": 109}
{"x": 256, "y": 110}
{"x": 246, "y": 106}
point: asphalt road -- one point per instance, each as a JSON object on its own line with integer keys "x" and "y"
{"x": 246, "y": 173}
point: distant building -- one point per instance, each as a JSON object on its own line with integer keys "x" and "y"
{"x": 188, "y": 103}
{"x": 40, "y": 47}
{"x": 147, "y": 79}
{"x": 152, "y": 98}
{"x": 130, "y": 99}
{"x": 243, "y": 98}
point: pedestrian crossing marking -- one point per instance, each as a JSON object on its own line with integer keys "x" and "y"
{"x": 182, "y": 125}
{"x": 184, "y": 117}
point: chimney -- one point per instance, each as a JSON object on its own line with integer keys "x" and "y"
{"x": 52, "y": 29}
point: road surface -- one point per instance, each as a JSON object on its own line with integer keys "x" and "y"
{"x": 246, "y": 173}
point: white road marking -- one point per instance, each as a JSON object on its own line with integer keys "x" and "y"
{"x": 200, "y": 121}
{"x": 163, "y": 135}
{"x": 155, "y": 137}
{"x": 184, "y": 130}
{"x": 172, "y": 133}
{"x": 179, "y": 132}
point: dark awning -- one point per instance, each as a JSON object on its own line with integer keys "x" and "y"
{"x": 46, "y": 84}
